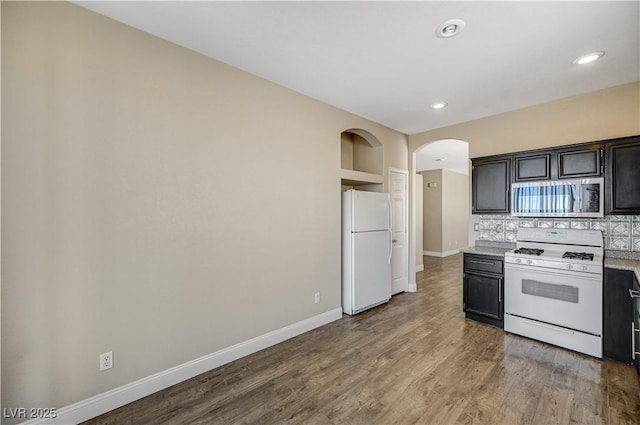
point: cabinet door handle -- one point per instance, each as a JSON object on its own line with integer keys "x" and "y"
{"x": 500, "y": 290}
{"x": 633, "y": 341}
{"x": 634, "y": 294}
{"x": 488, "y": 263}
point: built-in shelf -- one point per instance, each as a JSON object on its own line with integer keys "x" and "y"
{"x": 356, "y": 178}
{"x": 361, "y": 159}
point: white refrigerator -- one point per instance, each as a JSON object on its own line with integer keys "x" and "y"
{"x": 366, "y": 250}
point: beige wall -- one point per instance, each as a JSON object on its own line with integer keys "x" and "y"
{"x": 418, "y": 180}
{"x": 154, "y": 202}
{"x": 432, "y": 210}
{"x": 455, "y": 210}
{"x": 445, "y": 211}
{"x": 603, "y": 114}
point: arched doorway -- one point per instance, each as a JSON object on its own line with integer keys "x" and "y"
{"x": 442, "y": 228}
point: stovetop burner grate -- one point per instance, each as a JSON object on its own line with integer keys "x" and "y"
{"x": 578, "y": 255}
{"x": 529, "y": 251}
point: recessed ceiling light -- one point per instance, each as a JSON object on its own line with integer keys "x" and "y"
{"x": 440, "y": 159}
{"x": 583, "y": 60}
{"x": 438, "y": 105}
{"x": 450, "y": 28}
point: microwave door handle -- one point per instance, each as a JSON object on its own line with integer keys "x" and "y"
{"x": 580, "y": 203}
{"x": 578, "y": 207}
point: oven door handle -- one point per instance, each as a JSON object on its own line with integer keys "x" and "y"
{"x": 553, "y": 328}
{"x": 596, "y": 277}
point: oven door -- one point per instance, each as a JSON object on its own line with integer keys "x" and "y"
{"x": 569, "y": 299}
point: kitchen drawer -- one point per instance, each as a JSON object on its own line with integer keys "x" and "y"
{"x": 483, "y": 263}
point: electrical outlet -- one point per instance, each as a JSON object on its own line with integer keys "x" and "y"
{"x": 316, "y": 297}
{"x": 106, "y": 360}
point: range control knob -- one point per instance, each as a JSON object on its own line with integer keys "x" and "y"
{"x": 529, "y": 262}
{"x": 569, "y": 266}
{"x": 584, "y": 268}
{"x": 518, "y": 260}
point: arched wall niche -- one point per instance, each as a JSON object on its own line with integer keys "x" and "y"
{"x": 361, "y": 151}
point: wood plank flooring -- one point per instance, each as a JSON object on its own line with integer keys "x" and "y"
{"x": 415, "y": 360}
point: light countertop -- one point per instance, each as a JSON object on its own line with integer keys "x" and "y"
{"x": 614, "y": 263}
{"x": 485, "y": 250}
{"x": 623, "y": 264}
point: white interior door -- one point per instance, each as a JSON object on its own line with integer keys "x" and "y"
{"x": 399, "y": 229}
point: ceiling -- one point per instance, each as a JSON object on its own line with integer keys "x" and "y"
{"x": 382, "y": 60}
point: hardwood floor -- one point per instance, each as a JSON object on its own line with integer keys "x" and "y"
{"x": 415, "y": 360}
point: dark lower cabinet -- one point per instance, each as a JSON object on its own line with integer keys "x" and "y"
{"x": 617, "y": 315}
{"x": 483, "y": 289}
{"x": 622, "y": 176}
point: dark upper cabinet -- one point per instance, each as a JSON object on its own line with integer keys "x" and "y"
{"x": 490, "y": 185}
{"x": 563, "y": 163}
{"x": 528, "y": 167}
{"x": 580, "y": 162}
{"x": 618, "y": 160}
{"x": 618, "y": 313}
{"x": 622, "y": 176}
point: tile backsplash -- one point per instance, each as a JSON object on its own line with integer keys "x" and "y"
{"x": 621, "y": 232}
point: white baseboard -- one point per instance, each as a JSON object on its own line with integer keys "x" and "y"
{"x": 413, "y": 287}
{"x": 441, "y": 254}
{"x": 105, "y": 402}
{"x": 419, "y": 267}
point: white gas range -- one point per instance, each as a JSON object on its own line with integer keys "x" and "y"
{"x": 553, "y": 288}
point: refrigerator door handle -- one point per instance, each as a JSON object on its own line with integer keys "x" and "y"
{"x": 390, "y": 229}
{"x": 390, "y": 218}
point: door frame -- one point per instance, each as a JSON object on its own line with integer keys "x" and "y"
{"x": 407, "y": 287}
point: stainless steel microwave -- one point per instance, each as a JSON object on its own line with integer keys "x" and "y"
{"x": 558, "y": 198}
